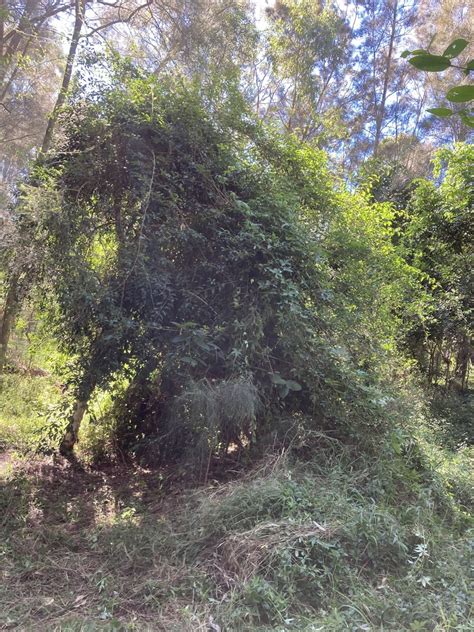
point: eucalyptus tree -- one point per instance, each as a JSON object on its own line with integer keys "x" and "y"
{"x": 382, "y": 102}
{"x": 201, "y": 39}
{"x": 310, "y": 52}
{"x": 30, "y": 52}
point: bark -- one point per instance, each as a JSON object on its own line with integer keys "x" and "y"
{"x": 388, "y": 67}
{"x": 11, "y": 309}
{"x": 462, "y": 362}
{"x": 3, "y": 9}
{"x": 71, "y": 57}
{"x": 83, "y": 395}
{"x": 72, "y": 430}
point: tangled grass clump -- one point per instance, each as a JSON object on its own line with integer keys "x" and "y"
{"x": 218, "y": 414}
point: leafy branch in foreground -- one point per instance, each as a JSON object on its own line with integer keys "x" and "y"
{"x": 424, "y": 60}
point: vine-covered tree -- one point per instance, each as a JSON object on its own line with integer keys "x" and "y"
{"x": 185, "y": 250}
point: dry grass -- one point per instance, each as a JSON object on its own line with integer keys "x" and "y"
{"x": 242, "y": 555}
{"x": 313, "y": 543}
{"x": 83, "y": 549}
{"x": 77, "y": 553}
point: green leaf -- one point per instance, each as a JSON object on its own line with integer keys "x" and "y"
{"x": 461, "y": 94}
{"x": 418, "y": 51}
{"x": 470, "y": 65}
{"x": 467, "y": 119}
{"x": 277, "y": 379}
{"x": 455, "y": 48}
{"x": 284, "y": 386}
{"x": 430, "y": 63}
{"x": 283, "y": 390}
{"x": 293, "y": 386}
{"x": 441, "y": 111}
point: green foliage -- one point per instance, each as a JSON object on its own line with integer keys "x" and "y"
{"x": 321, "y": 534}
{"x": 217, "y": 295}
{"x": 442, "y": 112}
{"x": 195, "y": 247}
{"x": 25, "y": 402}
{"x": 430, "y": 63}
{"x": 309, "y": 51}
{"x": 437, "y": 240}
{"x": 461, "y": 94}
{"x": 423, "y": 60}
{"x": 292, "y": 540}
{"x": 455, "y": 48}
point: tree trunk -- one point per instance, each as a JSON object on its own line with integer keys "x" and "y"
{"x": 13, "y": 302}
{"x": 383, "y": 101}
{"x": 3, "y": 14}
{"x": 12, "y": 306}
{"x": 71, "y": 433}
{"x": 462, "y": 362}
{"x": 72, "y": 429}
{"x": 71, "y": 57}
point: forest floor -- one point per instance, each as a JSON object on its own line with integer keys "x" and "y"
{"x": 325, "y": 539}
{"x": 70, "y": 554}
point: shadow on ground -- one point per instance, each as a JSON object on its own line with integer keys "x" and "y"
{"x": 83, "y": 549}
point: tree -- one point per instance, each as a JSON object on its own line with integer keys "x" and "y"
{"x": 201, "y": 39}
{"x": 438, "y": 240}
{"x": 185, "y": 255}
{"x": 309, "y": 48}
{"x": 15, "y": 44}
{"x": 27, "y": 39}
{"x": 391, "y": 175}
{"x": 29, "y": 54}
{"x": 79, "y": 16}
{"x": 383, "y": 105}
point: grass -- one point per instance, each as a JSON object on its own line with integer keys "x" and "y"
{"x": 292, "y": 545}
{"x": 28, "y": 394}
{"x": 25, "y": 402}
{"x": 323, "y": 537}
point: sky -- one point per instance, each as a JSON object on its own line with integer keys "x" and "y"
{"x": 260, "y": 6}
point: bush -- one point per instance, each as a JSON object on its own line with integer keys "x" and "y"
{"x": 188, "y": 255}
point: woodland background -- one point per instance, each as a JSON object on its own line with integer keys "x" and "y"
{"x": 236, "y": 285}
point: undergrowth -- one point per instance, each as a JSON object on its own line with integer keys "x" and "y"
{"x": 25, "y": 403}
{"x": 331, "y": 541}
{"x": 317, "y": 535}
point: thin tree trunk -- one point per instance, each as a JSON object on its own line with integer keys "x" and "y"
{"x": 462, "y": 362}
{"x": 431, "y": 364}
{"x": 72, "y": 430}
{"x": 60, "y": 101}
{"x": 13, "y": 302}
{"x": 10, "y": 312}
{"x": 79, "y": 409}
{"x": 447, "y": 361}
{"x": 3, "y": 13}
{"x": 383, "y": 100}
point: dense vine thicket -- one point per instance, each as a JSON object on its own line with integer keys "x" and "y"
{"x": 185, "y": 251}
{"x": 438, "y": 239}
